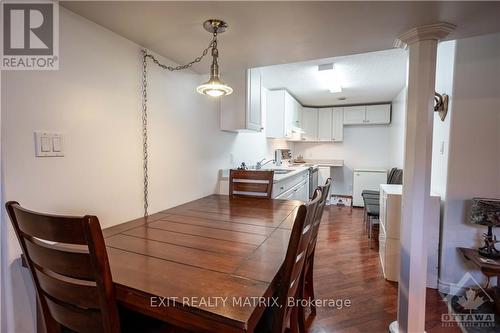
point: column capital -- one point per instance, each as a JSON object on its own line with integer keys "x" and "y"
{"x": 435, "y": 31}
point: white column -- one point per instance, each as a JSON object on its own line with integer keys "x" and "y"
{"x": 421, "y": 43}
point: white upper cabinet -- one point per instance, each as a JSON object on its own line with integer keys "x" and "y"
{"x": 338, "y": 124}
{"x": 310, "y": 124}
{"x": 378, "y": 114}
{"x": 367, "y": 114}
{"x": 254, "y": 107}
{"x": 275, "y": 114}
{"x": 354, "y": 114}
{"x": 242, "y": 110}
{"x": 325, "y": 123}
{"x": 296, "y": 114}
{"x": 283, "y": 113}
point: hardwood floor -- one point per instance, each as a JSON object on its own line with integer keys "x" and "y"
{"x": 346, "y": 268}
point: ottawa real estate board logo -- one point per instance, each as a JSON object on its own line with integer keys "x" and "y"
{"x": 30, "y": 35}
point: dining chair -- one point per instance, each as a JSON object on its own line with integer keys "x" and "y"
{"x": 69, "y": 266}
{"x": 276, "y": 317}
{"x": 251, "y": 183}
{"x": 308, "y": 277}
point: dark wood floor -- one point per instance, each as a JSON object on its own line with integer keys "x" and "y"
{"x": 346, "y": 268}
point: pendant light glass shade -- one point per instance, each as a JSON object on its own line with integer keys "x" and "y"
{"x": 214, "y": 87}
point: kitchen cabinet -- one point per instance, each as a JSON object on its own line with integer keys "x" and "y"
{"x": 367, "y": 114}
{"x": 296, "y": 114}
{"x": 354, "y": 115}
{"x": 378, "y": 114}
{"x": 310, "y": 124}
{"x": 242, "y": 110}
{"x": 295, "y": 187}
{"x": 325, "y": 124}
{"x": 282, "y": 114}
{"x": 338, "y": 124}
{"x": 389, "y": 233}
{"x": 299, "y": 192}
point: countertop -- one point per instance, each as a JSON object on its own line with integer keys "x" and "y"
{"x": 324, "y": 162}
{"x": 296, "y": 169}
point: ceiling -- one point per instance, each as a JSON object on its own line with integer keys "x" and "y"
{"x": 277, "y": 32}
{"x": 365, "y": 78}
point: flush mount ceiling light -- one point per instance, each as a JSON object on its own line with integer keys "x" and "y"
{"x": 214, "y": 87}
{"x": 329, "y": 77}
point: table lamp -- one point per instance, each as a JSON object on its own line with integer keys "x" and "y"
{"x": 487, "y": 212}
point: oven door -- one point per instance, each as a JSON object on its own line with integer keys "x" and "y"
{"x": 313, "y": 181}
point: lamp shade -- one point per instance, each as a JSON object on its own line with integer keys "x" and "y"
{"x": 485, "y": 211}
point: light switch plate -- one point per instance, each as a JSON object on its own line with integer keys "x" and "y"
{"x": 48, "y": 144}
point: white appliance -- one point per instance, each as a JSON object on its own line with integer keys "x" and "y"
{"x": 366, "y": 179}
{"x": 389, "y": 234}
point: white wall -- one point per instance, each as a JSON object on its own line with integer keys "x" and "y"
{"x": 363, "y": 147}
{"x": 474, "y": 149}
{"x": 397, "y": 130}
{"x": 441, "y": 129}
{"x": 95, "y": 100}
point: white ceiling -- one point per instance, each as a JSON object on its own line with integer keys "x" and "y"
{"x": 277, "y": 32}
{"x": 365, "y": 78}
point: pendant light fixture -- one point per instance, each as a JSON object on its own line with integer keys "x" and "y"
{"x": 214, "y": 86}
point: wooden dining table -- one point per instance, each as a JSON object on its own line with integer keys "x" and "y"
{"x": 205, "y": 265}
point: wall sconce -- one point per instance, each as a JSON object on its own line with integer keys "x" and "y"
{"x": 441, "y": 105}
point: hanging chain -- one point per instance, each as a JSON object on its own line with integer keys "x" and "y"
{"x": 145, "y": 132}
{"x": 146, "y": 55}
{"x": 213, "y": 43}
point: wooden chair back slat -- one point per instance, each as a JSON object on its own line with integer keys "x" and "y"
{"x": 79, "y": 320}
{"x": 67, "y": 290}
{"x": 61, "y": 229}
{"x": 72, "y": 264}
{"x": 251, "y": 183}
{"x": 325, "y": 189}
{"x": 69, "y": 265}
{"x": 290, "y": 273}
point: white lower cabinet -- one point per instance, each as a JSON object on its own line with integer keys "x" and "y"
{"x": 389, "y": 234}
{"x": 293, "y": 188}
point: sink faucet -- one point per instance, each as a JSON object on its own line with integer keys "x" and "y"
{"x": 259, "y": 164}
